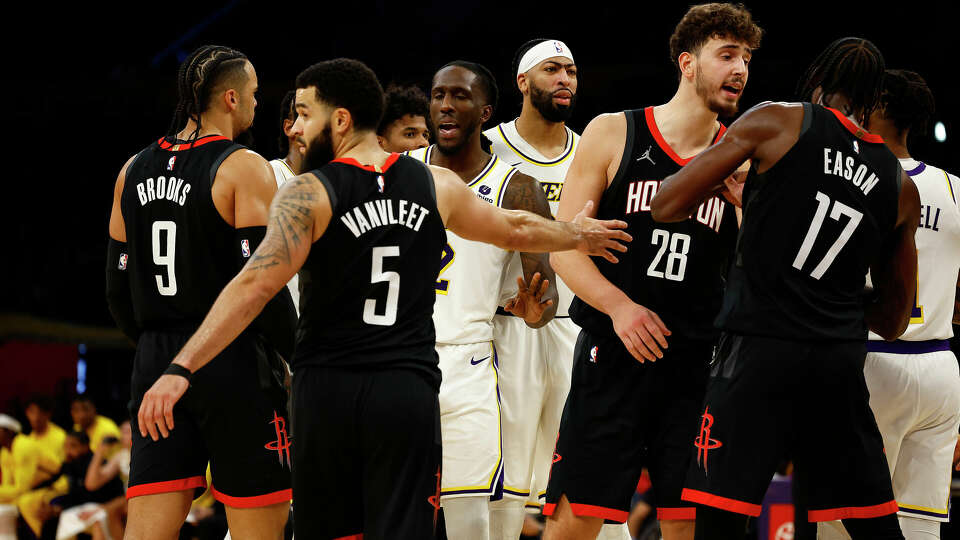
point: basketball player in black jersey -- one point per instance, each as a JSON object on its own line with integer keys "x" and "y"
{"x": 824, "y": 202}
{"x": 632, "y": 402}
{"x": 188, "y": 211}
{"x": 366, "y": 231}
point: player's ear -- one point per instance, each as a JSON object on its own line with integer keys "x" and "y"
{"x": 341, "y": 120}
{"x": 522, "y": 83}
{"x": 382, "y": 142}
{"x": 288, "y": 127}
{"x": 686, "y": 63}
{"x": 230, "y": 99}
{"x": 486, "y": 112}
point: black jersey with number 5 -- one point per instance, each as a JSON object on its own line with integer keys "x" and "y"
{"x": 181, "y": 251}
{"x": 673, "y": 269}
{"x": 367, "y": 287}
{"x": 812, "y": 225}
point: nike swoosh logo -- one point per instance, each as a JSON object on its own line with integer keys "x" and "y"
{"x": 472, "y": 363}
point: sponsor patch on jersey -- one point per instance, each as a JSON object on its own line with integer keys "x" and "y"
{"x": 593, "y": 354}
{"x": 380, "y": 183}
{"x": 122, "y": 265}
{"x": 245, "y": 247}
{"x": 171, "y": 162}
{"x": 485, "y": 190}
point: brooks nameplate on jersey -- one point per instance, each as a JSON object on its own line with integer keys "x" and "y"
{"x": 812, "y": 224}
{"x": 508, "y": 145}
{"x": 470, "y": 272}
{"x": 674, "y": 269}
{"x": 367, "y": 284}
{"x": 181, "y": 251}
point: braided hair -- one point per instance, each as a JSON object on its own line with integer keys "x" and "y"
{"x": 850, "y": 66}
{"x": 906, "y": 100}
{"x": 286, "y": 113}
{"x": 200, "y": 73}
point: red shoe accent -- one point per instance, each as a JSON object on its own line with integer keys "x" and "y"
{"x": 351, "y": 537}
{"x": 253, "y": 502}
{"x": 169, "y": 486}
{"x": 723, "y": 503}
{"x": 676, "y": 513}
{"x": 856, "y": 512}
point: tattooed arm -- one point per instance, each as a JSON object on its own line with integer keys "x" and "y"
{"x": 525, "y": 193}
{"x": 299, "y": 214}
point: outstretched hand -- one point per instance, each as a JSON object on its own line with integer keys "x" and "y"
{"x": 527, "y": 303}
{"x": 599, "y": 236}
{"x": 156, "y": 410}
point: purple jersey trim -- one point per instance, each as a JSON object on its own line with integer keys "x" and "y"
{"x": 918, "y": 169}
{"x": 908, "y": 347}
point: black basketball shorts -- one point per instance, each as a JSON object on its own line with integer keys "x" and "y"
{"x": 233, "y": 415}
{"x": 367, "y": 458}
{"x": 770, "y": 400}
{"x": 621, "y": 416}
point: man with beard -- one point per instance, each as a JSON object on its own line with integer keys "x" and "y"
{"x": 365, "y": 371}
{"x": 463, "y": 96}
{"x": 188, "y": 211}
{"x": 535, "y": 364}
{"x": 632, "y": 402}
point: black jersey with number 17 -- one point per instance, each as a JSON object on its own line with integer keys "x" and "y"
{"x": 181, "y": 251}
{"x": 367, "y": 287}
{"x": 673, "y": 269}
{"x": 812, "y": 225}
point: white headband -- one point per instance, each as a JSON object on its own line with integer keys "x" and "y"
{"x": 540, "y": 52}
{"x": 10, "y": 423}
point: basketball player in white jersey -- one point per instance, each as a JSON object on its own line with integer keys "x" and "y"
{"x": 914, "y": 382}
{"x": 289, "y": 166}
{"x": 462, "y": 97}
{"x": 535, "y": 365}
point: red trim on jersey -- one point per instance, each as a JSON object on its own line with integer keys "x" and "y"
{"x": 351, "y": 537}
{"x": 723, "y": 503}
{"x": 589, "y": 510}
{"x": 177, "y": 147}
{"x": 676, "y": 513}
{"x": 386, "y": 164}
{"x": 855, "y": 512}
{"x": 858, "y": 132}
{"x": 655, "y": 131}
{"x": 169, "y": 486}
{"x": 253, "y": 502}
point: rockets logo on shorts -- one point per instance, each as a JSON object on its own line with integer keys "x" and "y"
{"x": 171, "y": 162}
{"x": 593, "y": 354}
{"x": 122, "y": 265}
{"x": 245, "y": 247}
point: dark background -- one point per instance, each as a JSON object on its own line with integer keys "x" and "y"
{"x": 95, "y": 83}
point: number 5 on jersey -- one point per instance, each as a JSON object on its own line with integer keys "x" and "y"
{"x": 377, "y": 275}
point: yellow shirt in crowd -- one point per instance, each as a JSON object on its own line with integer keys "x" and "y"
{"x": 101, "y": 427}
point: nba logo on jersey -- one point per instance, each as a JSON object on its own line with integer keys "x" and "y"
{"x": 856, "y": 147}
{"x": 380, "y": 183}
{"x": 245, "y": 247}
{"x": 171, "y": 162}
{"x": 558, "y": 47}
{"x": 593, "y": 354}
{"x": 122, "y": 265}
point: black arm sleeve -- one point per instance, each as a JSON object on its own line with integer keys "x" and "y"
{"x": 278, "y": 320}
{"x": 119, "y": 299}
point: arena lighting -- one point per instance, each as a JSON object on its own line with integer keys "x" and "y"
{"x": 81, "y": 369}
{"x": 940, "y": 132}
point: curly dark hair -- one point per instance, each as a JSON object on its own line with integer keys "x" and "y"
{"x": 906, "y": 100}
{"x": 850, "y": 66}
{"x": 347, "y": 83}
{"x": 718, "y": 20}
{"x": 401, "y": 101}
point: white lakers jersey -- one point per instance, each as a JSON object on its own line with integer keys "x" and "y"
{"x": 472, "y": 271}
{"x": 510, "y": 146}
{"x": 283, "y": 172}
{"x": 938, "y": 252}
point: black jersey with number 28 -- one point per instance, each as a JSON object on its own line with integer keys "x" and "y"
{"x": 673, "y": 269}
{"x": 367, "y": 287}
{"x": 181, "y": 251}
{"x": 812, "y": 225}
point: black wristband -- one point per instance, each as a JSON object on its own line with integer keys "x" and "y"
{"x": 177, "y": 369}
